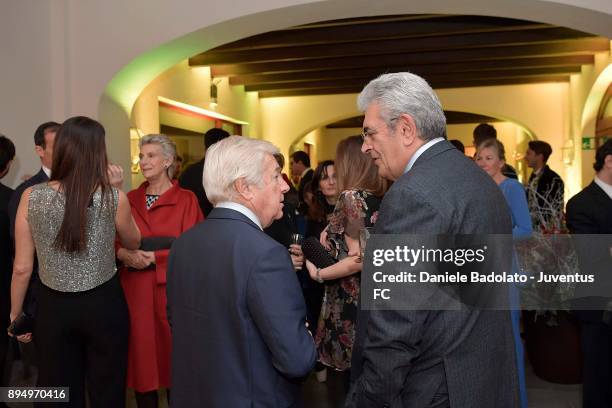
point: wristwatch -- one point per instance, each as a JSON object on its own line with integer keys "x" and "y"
{"x": 319, "y": 278}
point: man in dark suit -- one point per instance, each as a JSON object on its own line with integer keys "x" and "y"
{"x": 7, "y": 154}
{"x": 44, "y": 139}
{"x": 429, "y": 358}
{"x": 191, "y": 179}
{"x": 235, "y": 306}
{"x": 590, "y": 212}
{"x": 300, "y": 167}
{"x": 545, "y": 189}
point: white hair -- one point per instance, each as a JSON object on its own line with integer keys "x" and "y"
{"x": 403, "y": 92}
{"x": 168, "y": 149}
{"x": 233, "y": 158}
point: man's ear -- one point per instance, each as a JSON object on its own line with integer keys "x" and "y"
{"x": 40, "y": 151}
{"x": 608, "y": 161}
{"x": 243, "y": 189}
{"x": 406, "y": 128}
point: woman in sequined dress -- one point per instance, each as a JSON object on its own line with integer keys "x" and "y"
{"x": 357, "y": 207}
{"x": 161, "y": 209}
{"x": 81, "y": 325}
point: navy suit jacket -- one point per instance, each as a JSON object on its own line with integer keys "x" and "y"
{"x": 237, "y": 317}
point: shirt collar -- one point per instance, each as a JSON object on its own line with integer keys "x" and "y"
{"x": 47, "y": 171}
{"x": 242, "y": 210}
{"x": 420, "y": 151}
{"x": 607, "y": 188}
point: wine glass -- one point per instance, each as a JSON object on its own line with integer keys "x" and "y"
{"x": 364, "y": 235}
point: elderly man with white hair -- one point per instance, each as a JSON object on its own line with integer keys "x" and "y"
{"x": 235, "y": 305}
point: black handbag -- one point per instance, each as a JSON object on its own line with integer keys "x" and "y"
{"x": 316, "y": 253}
{"x": 21, "y": 325}
{"x": 156, "y": 243}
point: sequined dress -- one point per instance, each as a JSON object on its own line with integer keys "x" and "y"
{"x": 77, "y": 271}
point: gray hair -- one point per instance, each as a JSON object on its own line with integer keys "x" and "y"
{"x": 231, "y": 159}
{"x": 168, "y": 149}
{"x": 403, "y": 92}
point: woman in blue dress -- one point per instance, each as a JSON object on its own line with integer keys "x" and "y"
{"x": 491, "y": 158}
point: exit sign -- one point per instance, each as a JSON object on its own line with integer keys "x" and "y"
{"x": 588, "y": 143}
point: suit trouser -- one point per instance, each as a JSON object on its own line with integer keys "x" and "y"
{"x": 596, "y": 340}
{"x": 82, "y": 339}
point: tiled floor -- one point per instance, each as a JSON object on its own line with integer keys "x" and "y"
{"x": 330, "y": 394}
{"x": 540, "y": 393}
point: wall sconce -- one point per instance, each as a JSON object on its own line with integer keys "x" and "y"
{"x": 568, "y": 152}
{"x": 214, "y": 101}
{"x": 135, "y": 164}
{"x": 135, "y": 133}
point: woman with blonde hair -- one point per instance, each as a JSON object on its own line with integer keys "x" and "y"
{"x": 356, "y": 208}
{"x": 491, "y": 157}
{"x": 163, "y": 211}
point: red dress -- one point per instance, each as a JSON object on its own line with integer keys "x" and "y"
{"x": 149, "y": 347}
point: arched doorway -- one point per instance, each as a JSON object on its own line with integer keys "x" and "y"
{"x": 116, "y": 104}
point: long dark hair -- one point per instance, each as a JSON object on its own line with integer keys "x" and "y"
{"x": 80, "y": 166}
{"x": 317, "y": 210}
{"x": 356, "y": 170}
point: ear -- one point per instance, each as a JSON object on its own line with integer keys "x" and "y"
{"x": 406, "y": 129}
{"x": 608, "y": 161}
{"x": 39, "y": 151}
{"x": 243, "y": 189}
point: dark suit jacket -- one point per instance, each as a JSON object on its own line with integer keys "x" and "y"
{"x": 38, "y": 178}
{"x": 237, "y": 317}
{"x": 590, "y": 212}
{"x": 6, "y": 256}
{"x": 509, "y": 171}
{"x": 303, "y": 207}
{"x": 29, "y": 304}
{"x": 550, "y": 186}
{"x": 451, "y": 358}
{"x": 191, "y": 179}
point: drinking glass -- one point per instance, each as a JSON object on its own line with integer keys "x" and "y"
{"x": 297, "y": 239}
{"x": 364, "y": 235}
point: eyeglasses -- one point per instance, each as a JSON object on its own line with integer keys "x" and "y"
{"x": 367, "y": 133}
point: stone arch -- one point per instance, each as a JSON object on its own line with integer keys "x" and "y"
{"x": 235, "y": 21}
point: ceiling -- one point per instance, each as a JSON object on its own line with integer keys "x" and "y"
{"x": 452, "y": 118}
{"x": 341, "y": 56}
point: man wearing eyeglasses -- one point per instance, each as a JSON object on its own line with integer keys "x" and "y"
{"x": 429, "y": 358}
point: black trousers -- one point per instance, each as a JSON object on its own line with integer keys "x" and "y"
{"x": 596, "y": 340}
{"x": 82, "y": 340}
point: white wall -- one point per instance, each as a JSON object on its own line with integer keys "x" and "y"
{"x": 66, "y": 57}
{"x": 25, "y": 80}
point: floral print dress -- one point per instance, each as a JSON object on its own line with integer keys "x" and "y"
{"x": 335, "y": 335}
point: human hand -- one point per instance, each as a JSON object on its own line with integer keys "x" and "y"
{"x": 149, "y": 255}
{"x": 25, "y": 338}
{"x": 352, "y": 263}
{"x": 297, "y": 256}
{"x": 134, "y": 258}
{"x": 352, "y": 245}
{"x": 323, "y": 239}
{"x": 115, "y": 175}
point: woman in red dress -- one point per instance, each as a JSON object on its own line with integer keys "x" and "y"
{"x": 164, "y": 210}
